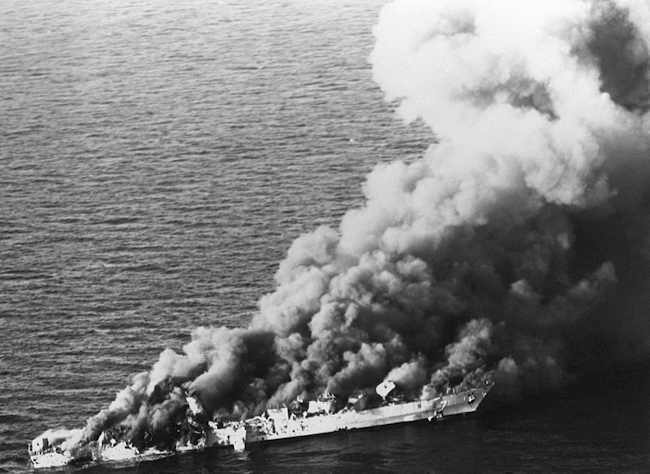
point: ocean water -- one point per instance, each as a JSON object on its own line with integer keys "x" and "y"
{"x": 157, "y": 159}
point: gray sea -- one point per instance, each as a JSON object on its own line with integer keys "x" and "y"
{"x": 157, "y": 159}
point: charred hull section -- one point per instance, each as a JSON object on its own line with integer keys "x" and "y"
{"x": 44, "y": 456}
{"x": 325, "y": 415}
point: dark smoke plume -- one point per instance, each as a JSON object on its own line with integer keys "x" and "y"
{"x": 510, "y": 246}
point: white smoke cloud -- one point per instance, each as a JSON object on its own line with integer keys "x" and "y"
{"x": 511, "y": 89}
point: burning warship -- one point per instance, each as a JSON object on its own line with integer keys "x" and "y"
{"x": 490, "y": 254}
{"x": 327, "y": 414}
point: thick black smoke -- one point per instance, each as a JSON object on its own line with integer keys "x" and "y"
{"x": 512, "y": 245}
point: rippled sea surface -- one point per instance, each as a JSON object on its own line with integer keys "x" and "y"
{"x": 157, "y": 159}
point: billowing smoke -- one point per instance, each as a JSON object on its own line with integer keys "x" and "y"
{"x": 503, "y": 249}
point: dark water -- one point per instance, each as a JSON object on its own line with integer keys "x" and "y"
{"x": 157, "y": 159}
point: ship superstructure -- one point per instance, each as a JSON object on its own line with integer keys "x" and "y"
{"x": 321, "y": 417}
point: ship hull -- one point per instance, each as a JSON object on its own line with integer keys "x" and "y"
{"x": 275, "y": 427}
{"x": 264, "y": 430}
